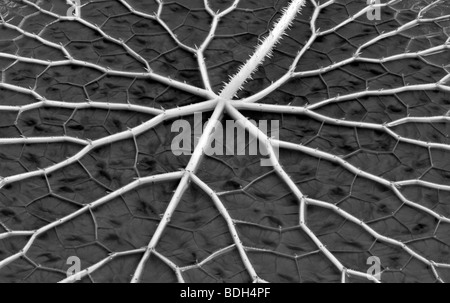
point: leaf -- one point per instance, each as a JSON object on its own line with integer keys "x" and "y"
{"x": 356, "y": 157}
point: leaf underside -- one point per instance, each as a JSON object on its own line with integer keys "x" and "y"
{"x": 86, "y": 167}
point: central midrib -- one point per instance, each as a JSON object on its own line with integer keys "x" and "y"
{"x": 263, "y": 51}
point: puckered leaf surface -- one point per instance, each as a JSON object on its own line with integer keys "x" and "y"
{"x": 90, "y": 90}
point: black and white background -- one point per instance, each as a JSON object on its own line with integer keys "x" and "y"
{"x": 90, "y": 186}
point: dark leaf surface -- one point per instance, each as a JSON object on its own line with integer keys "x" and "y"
{"x": 89, "y": 94}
